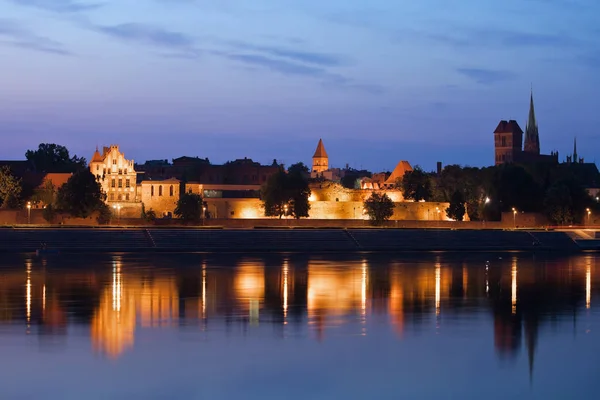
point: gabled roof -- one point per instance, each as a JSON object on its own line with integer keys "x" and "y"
{"x": 398, "y": 172}
{"x": 97, "y": 157}
{"x": 320, "y": 152}
{"x": 508, "y": 127}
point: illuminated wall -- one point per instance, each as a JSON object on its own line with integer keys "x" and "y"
{"x": 160, "y": 196}
{"x": 116, "y": 175}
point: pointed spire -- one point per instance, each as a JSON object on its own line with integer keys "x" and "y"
{"x": 320, "y": 152}
{"x": 532, "y": 139}
{"x": 575, "y": 158}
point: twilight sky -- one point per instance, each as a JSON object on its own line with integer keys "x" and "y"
{"x": 378, "y": 80}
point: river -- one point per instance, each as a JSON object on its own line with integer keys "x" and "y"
{"x": 412, "y": 326}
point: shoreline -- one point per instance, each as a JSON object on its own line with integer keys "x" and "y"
{"x": 285, "y": 240}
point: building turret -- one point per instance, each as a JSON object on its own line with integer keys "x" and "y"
{"x": 532, "y": 139}
{"x": 320, "y": 159}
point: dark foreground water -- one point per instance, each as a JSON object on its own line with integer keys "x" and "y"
{"x": 432, "y": 326}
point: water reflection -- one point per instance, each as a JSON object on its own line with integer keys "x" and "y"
{"x": 117, "y": 299}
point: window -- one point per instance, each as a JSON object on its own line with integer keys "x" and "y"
{"x": 125, "y": 171}
{"x": 152, "y": 190}
{"x": 127, "y": 196}
{"x": 120, "y": 197}
{"x": 120, "y": 172}
{"x": 503, "y": 141}
{"x": 171, "y": 191}
{"x": 160, "y": 190}
{"x": 127, "y": 183}
{"x": 120, "y": 183}
{"x": 112, "y": 196}
{"x": 112, "y": 183}
{"x": 97, "y": 167}
{"x": 114, "y": 162}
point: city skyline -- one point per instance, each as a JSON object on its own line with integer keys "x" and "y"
{"x": 268, "y": 79}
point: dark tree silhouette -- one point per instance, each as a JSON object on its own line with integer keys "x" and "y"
{"x": 456, "y": 210}
{"x": 50, "y": 157}
{"x": 379, "y": 208}
{"x": 81, "y": 195}
{"x": 189, "y": 207}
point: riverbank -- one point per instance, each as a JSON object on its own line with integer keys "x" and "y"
{"x": 135, "y": 239}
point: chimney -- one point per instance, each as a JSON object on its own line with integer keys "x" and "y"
{"x": 439, "y": 167}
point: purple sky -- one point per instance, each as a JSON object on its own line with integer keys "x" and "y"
{"x": 379, "y": 81}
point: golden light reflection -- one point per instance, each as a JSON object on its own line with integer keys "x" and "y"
{"x": 285, "y": 289}
{"x": 396, "y": 303}
{"x": 204, "y": 290}
{"x": 588, "y": 284}
{"x": 28, "y": 292}
{"x": 249, "y": 284}
{"x": 438, "y": 283}
{"x": 513, "y": 275}
{"x": 363, "y": 297}
{"x": 44, "y": 298}
{"x": 465, "y": 280}
{"x": 113, "y": 324}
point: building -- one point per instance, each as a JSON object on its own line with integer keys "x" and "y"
{"x": 320, "y": 160}
{"x": 116, "y": 175}
{"x": 508, "y": 142}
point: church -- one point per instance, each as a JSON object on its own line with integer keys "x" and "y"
{"x": 508, "y": 142}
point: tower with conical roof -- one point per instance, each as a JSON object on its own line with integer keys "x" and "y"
{"x": 532, "y": 139}
{"x": 320, "y": 159}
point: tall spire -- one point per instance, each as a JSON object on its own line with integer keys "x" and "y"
{"x": 575, "y": 158}
{"x": 532, "y": 139}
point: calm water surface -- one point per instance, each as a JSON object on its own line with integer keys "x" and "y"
{"x": 505, "y": 326}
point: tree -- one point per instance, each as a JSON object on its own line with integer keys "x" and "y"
{"x": 50, "y": 157}
{"x": 565, "y": 202}
{"x": 104, "y": 214}
{"x": 189, "y": 207}
{"x": 379, "y": 208}
{"x": 298, "y": 193}
{"x": 286, "y": 194}
{"x": 299, "y": 168}
{"x": 456, "y": 210}
{"x": 416, "y": 185}
{"x": 49, "y": 213}
{"x": 81, "y": 195}
{"x": 46, "y": 194}
{"x": 511, "y": 186}
{"x": 148, "y": 216}
{"x": 10, "y": 189}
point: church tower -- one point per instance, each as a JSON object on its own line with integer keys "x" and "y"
{"x": 320, "y": 159}
{"x": 532, "y": 139}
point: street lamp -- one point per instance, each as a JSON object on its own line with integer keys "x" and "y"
{"x": 285, "y": 210}
{"x": 589, "y": 213}
{"x": 514, "y": 217}
{"x": 437, "y": 209}
{"x": 29, "y": 212}
{"x": 487, "y": 200}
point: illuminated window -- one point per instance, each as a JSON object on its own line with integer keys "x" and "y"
{"x": 112, "y": 196}
{"x": 125, "y": 172}
{"x": 120, "y": 183}
{"x": 120, "y": 197}
{"x": 120, "y": 172}
{"x": 114, "y": 162}
{"x": 127, "y": 196}
{"x": 127, "y": 183}
{"x": 171, "y": 191}
{"x": 152, "y": 190}
{"x": 112, "y": 183}
{"x": 160, "y": 190}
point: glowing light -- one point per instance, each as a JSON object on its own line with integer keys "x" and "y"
{"x": 203, "y": 290}
{"x": 465, "y": 280}
{"x": 44, "y": 298}
{"x": 311, "y": 197}
{"x": 28, "y": 296}
{"x": 513, "y": 274}
{"x": 363, "y": 297}
{"x": 438, "y": 283}
{"x": 117, "y": 288}
{"x": 285, "y": 289}
{"x": 588, "y": 285}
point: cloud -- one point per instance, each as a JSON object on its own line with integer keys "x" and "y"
{"x": 485, "y": 76}
{"x": 323, "y": 59}
{"x": 486, "y": 37}
{"x": 148, "y": 35}
{"x": 282, "y": 66}
{"x": 15, "y": 35}
{"x": 59, "y": 6}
